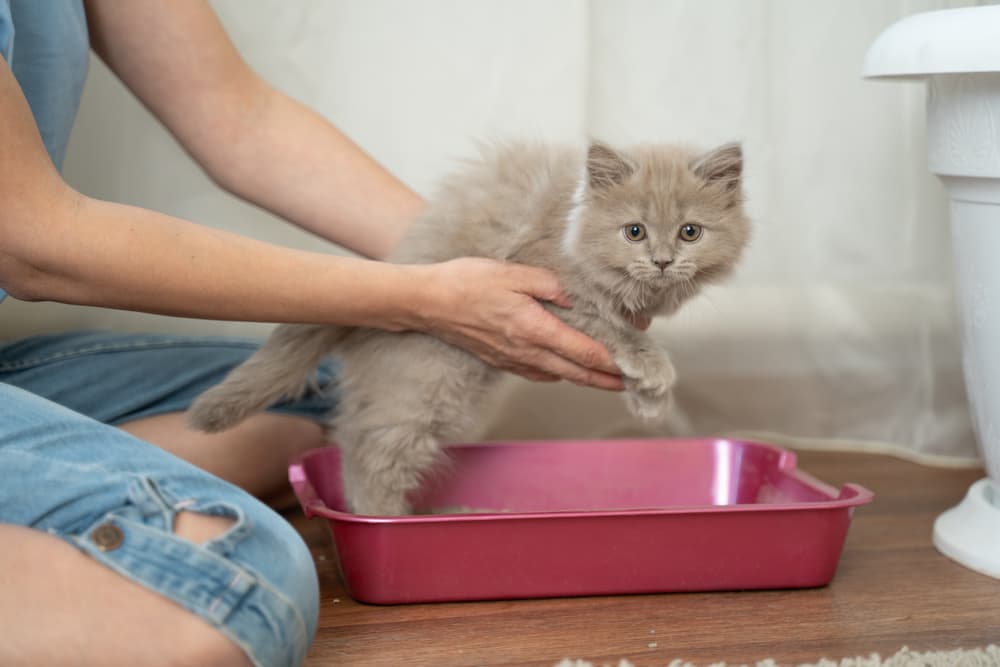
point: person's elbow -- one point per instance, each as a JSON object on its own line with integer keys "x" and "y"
{"x": 28, "y": 266}
{"x": 20, "y": 280}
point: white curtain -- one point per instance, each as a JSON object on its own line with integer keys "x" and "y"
{"x": 840, "y": 327}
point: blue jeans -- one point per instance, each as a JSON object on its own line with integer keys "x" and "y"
{"x": 67, "y": 471}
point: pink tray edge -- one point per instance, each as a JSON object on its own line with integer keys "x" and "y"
{"x": 850, "y": 495}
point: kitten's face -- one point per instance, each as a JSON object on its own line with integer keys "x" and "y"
{"x": 658, "y": 220}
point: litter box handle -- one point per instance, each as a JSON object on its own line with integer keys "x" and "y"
{"x": 304, "y": 491}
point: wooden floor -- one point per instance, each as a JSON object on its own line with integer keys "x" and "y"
{"x": 891, "y": 589}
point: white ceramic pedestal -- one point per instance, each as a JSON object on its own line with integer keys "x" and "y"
{"x": 970, "y": 532}
{"x": 958, "y": 52}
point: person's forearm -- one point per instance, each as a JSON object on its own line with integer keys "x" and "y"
{"x": 289, "y": 160}
{"x": 251, "y": 139}
{"x": 90, "y": 252}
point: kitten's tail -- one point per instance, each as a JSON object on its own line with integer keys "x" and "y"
{"x": 279, "y": 369}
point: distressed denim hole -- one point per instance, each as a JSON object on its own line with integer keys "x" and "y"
{"x": 201, "y": 528}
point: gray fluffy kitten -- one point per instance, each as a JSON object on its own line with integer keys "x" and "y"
{"x": 636, "y": 231}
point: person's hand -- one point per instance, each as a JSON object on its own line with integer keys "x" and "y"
{"x": 491, "y": 309}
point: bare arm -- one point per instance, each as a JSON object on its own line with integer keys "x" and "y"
{"x": 251, "y": 139}
{"x": 56, "y": 244}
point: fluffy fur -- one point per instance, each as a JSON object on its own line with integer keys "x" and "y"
{"x": 404, "y": 395}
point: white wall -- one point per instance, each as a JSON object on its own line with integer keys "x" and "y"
{"x": 843, "y": 307}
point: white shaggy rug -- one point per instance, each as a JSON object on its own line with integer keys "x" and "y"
{"x": 985, "y": 657}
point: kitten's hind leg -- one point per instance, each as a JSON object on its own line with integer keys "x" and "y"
{"x": 382, "y": 467}
{"x": 404, "y": 397}
{"x": 281, "y": 367}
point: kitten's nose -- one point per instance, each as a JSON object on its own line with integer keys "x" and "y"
{"x": 663, "y": 263}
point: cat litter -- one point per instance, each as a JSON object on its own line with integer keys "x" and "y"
{"x": 590, "y": 517}
{"x": 984, "y": 657}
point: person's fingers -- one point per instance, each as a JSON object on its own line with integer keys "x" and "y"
{"x": 538, "y": 376}
{"x": 553, "y": 364}
{"x": 538, "y": 283}
{"x": 573, "y": 345}
{"x": 562, "y": 300}
{"x": 543, "y": 365}
{"x": 603, "y": 381}
{"x": 525, "y": 371}
{"x": 581, "y": 376}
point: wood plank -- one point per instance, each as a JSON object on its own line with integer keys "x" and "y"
{"x": 892, "y": 589}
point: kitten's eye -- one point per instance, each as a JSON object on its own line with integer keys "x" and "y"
{"x": 634, "y": 232}
{"x": 690, "y": 233}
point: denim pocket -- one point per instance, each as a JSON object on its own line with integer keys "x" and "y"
{"x": 191, "y": 575}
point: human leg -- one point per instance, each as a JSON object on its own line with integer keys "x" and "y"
{"x": 143, "y": 383}
{"x": 201, "y": 548}
{"x": 60, "y": 607}
{"x": 253, "y": 455}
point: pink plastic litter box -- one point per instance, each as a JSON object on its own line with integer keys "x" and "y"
{"x": 598, "y": 517}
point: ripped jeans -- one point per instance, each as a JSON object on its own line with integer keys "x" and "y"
{"x": 64, "y": 469}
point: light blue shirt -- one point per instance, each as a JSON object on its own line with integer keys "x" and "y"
{"x": 46, "y": 45}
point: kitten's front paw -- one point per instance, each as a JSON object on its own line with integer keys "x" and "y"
{"x": 646, "y": 407}
{"x": 647, "y": 388}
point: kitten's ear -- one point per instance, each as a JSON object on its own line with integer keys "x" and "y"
{"x": 723, "y": 165}
{"x": 605, "y": 166}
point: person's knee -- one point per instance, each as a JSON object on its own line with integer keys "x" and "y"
{"x": 271, "y": 553}
{"x": 292, "y": 571}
